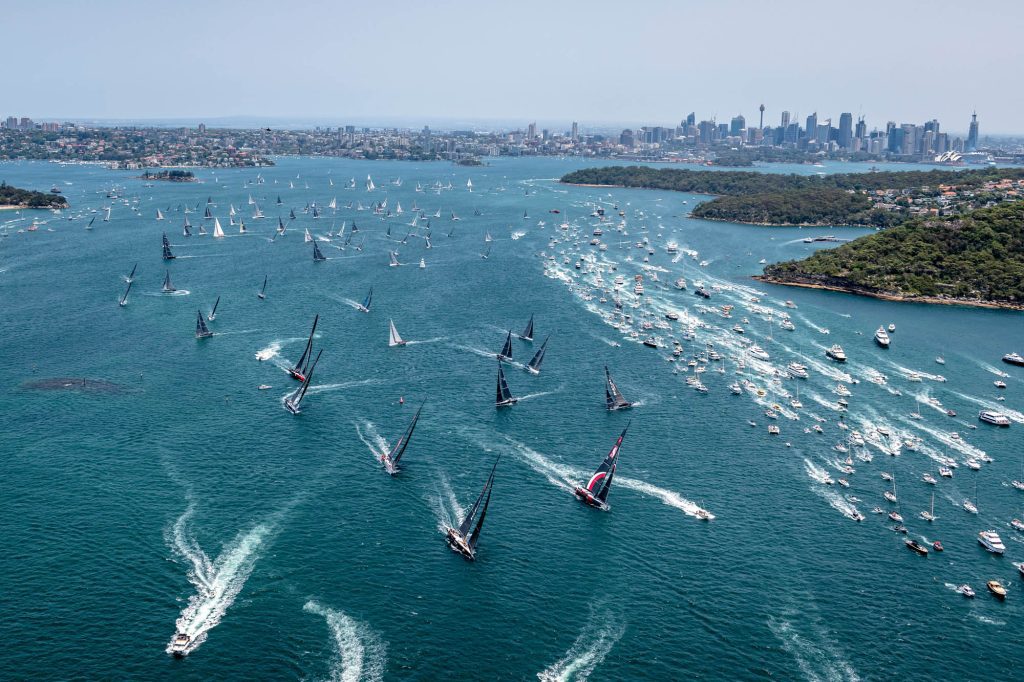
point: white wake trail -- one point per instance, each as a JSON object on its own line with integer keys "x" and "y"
{"x": 585, "y": 654}
{"x": 360, "y": 653}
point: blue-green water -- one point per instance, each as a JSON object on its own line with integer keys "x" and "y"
{"x": 302, "y": 559}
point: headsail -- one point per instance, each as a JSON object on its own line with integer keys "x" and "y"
{"x": 365, "y": 306}
{"x": 168, "y": 287}
{"x": 318, "y": 255}
{"x": 217, "y": 231}
{"x": 468, "y": 521}
{"x": 504, "y": 395}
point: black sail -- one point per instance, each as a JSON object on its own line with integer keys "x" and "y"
{"x": 503, "y": 393}
{"x": 317, "y": 253}
{"x": 528, "y": 332}
{"x": 399, "y": 449}
{"x": 539, "y": 356}
{"x": 506, "y": 350}
{"x": 308, "y": 350}
{"x": 602, "y": 479}
{"x": 614, "y": 399}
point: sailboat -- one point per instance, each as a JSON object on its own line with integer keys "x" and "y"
{"x": 390, "y": 459}
{"x": 213, "y": 313}
{"x": 504, "y": 395}
{"x": 241, "y": 227}
{"x": 89, "y": 226}
{"x": 393, "y": 338}
{"x": 506, "y": 350}
{"x": 263, "y": 291}
{"x": 423, "y": 264}
{"x": 394, "y": 256}
{"x": 365, "y": 305}
{"x": 131, "y": 275}
{"x": 167, "y": 249}
{"x": 202, "y": 331}
{"x": 231, "y": 210}
{"x": 613, "y": 398}
{"x": 292, "y": 402}
{"x": 930, "y": 514}
{"x": 124, "y": 299}
{"x": 369, "y": 184}
{"x": 527, "y": 334}
{"x": 308, "y": 237}
{"x": 217, "y": 231}
{"x": 202, "y": 230}
{"x": 595, "y": 493}
{"x": 460, "y": 540}
{"x": 534, "y": 365}
{"x": 168, "y": 288}
{"x": 159, "y": 215}
{"x": 299, "y": 371}
{"x": 208, "y": 214}
{"x": 106, "y": 218}
{"x": 187, "y": 232}
{"x": 318, "y": 255}
{"x": 486, "y": 254}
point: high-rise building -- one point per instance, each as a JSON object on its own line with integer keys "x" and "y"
{"x": 737, "y": 124}
{"x": 706, "y": 131}
{"x": 845, "y": 130}
{"x": 626, "y": 138}
{"x": 862, "y": 129}
{"x": 785, "y": 119}
{"x": 575, "y": 131}
{"x": 691, "y": 119}
{"x": 909, "y": 145}
{"x": 12, "y": 122}
{"x": 812, "y": 126}
{"x": 531, "y": 131}
{"x": 932, "y": 125}
{"x": 972, "y": 135}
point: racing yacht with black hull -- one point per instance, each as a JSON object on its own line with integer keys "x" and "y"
{"x": 534, "y": 365}
{"x": 595, "y": 493}
{"x": 506, "y": 350}
{"x": 504, "y": 395}
{"x": 364, "y": 307}
{"x": 292, "y": 403}
{"x": 202, "y": 331}
{"x": 390, "y": 459}
{"x": 461, "y": 540}
{"x": 527, "y": 334}
{"x": 298, "y": 371}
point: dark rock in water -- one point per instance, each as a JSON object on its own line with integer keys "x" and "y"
{"x": 79, "y": 384}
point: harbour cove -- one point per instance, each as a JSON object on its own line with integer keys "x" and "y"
{"x": 166, "y": 493}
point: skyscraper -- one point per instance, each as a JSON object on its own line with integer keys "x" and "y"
{"x": 972, "y": 135}
{"x": 862, "y": 129}
{"x": 575, "y": 131}
{"x": 845, "y": 130}
{"x": 737, "y": 124}
{"x": 785, "y": 119}
{"x": 812, "y": 126}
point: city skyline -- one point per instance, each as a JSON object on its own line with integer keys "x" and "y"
{"x": 458, "y": 62}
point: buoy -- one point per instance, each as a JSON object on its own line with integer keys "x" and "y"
{"x": 401, "y": 400}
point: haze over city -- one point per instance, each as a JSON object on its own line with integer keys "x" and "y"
{"x": 449, "y": 62}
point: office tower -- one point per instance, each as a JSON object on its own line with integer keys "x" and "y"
{"x": 737, "y": 124}
{"x": 531, "y": 131}
{"x": 972, "y": 135}
{"x": 575, "y": 131}
{"x": 812, "y": 126}
{"x": 845, "y": 130}
{"x": 691, "y": 119}
{"x": 785, "y": 119}
{"x": 862, "y": 129}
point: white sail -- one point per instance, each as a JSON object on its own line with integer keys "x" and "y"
{"x": 241, "y": 227}
{"x": 334, "y": 203}
{"x": 159, "y": 215}
{"x": 251, "y": 202}
{"x": 394, "y": 339}
{"x": 217, "y": 231}
{"x": 369, "y": 184}
{"x": 232, "y": 211}
{"x": 469, "y": 185}
{"x": 308, "y": 237}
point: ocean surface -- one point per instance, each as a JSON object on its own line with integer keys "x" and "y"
{"x": 169, "y": 493}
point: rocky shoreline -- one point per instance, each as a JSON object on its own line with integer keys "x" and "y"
{"x": 836, "y": 285}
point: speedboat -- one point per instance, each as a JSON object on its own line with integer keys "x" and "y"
{"x": 892, "y": 328}
{"x": 757, "y": 352}
{"x": 940, "y": 360}
{"x": 966, "y": 590}
{"x": 937, "y": 546}
{"x": 703, "y": 514}
{"x": 996, "y": 588}
{"x": 895, "y": 516}
{"x": 1014, "y": 359}
{"x": 945, "y": 472}
{"x": 836, "y": 353}
{"x": 915, "y": 546}
{"x": 970, "y": 507}
{"x": 928, "y": 478}
{"x": 881, "y": 338}
{"x": 263, "y": 387}
{"x": 180, "y": 644}
{"x": 990, "y": 540}
{"x": 993, "y": 417}
{"x": 1019, "y": 485}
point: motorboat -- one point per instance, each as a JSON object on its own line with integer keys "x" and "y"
{"x": 945, "y": 472}
{"x": 937, "y": 546}
{"x": 965, "y": 590}
{"x": 996, "y": 588}
{"x": 757, "y": 352}
{"x": 892, "y": 328}
{"x": 993, "y": 417}
{"x": 990, "y": 540}
{"x": 896, "y": 516}
{"x": 1014, "y": 359}
{"x": 1017, "y": 524}
{"x": 970, "y": 507}
{"x": 881, "y": 338}
{"x": 836, "y": 353}
{"x": 797, "y": 370}
{"x": 180, "y": 644}
{"x": 915, "y": 546}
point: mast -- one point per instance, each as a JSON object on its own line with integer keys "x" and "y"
{"x": 124, "y": 299}
{"x": 399, "y": 449}
{"x": 504, "y": 395}
{"x": 308, "y": 351}
{"x": 213, "y": 313}
{"x": 367, "y": 301}
{"x": 602, "y": 478}
{"x": 202, "y": 331}
{"x": 168, "y": 287}
{"x": 318, "y": 255}
{"x": 263, "y": 291}
{"x": 468, "y": 521}
{"x": 393, "y": 338}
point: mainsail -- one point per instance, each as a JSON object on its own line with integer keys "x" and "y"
{"x": 263, "y": 291}
{"x": 293, "y": 401}
{"x": 391, "y": 459}
{"x": 213, "y": 313}
{"x": 467, "y": 523}
{"x": 365, "y": 306}
{"x": 538, "y": 358}
{"x": 124, "y": 299}
{"x": 318, "y": 255}
{"x": 217, "y": 231}
{"x": 601, "y": 481}
{"x": 299, "y": 370}
{"x": 613, "y": 398}
{"x": 168, "y": 287}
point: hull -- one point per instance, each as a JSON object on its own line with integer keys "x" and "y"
{"x": 459, "y": 546}
{"x": 296, "y": 375}
{"x": 584, "y": 496}
{"x": 507, "y": 403}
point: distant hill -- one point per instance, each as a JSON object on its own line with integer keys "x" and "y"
{"x": 975, "y": 259}
{"x": 26, "y": 198}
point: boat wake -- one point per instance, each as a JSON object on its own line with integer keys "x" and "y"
{"x": 327, "y": 388}
{"x": 350, "y": 302}
{"x": 994, "y": 406}
{"x": 217, "y": 582}
{"x": 585, "y": 654}
{"x": 373, "y": 440}
{"x": 530, "y": 396}
{"x": 815, "y": 654}
{"x": 447, "y": 508}
{"x": 360, "y": 653}
{"x": 433, "y": 340}
{"x": 816, "y": 472}
{"x": 161, "y": 294}
{"x": 995, "y": 370}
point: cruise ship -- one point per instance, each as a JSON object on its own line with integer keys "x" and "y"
{"x": 836, "y": 353}
{"x": 993, "y": 417}
{"x": 990, "y": 540}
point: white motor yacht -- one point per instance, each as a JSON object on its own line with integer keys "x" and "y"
{"x": 990, "y": 540}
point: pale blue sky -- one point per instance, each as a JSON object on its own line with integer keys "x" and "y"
{"x": 629, "y": 62}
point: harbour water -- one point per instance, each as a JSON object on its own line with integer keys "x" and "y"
{"x": 178, "y": 496}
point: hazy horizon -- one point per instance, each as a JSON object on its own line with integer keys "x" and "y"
{"x": 601, "y": 63}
